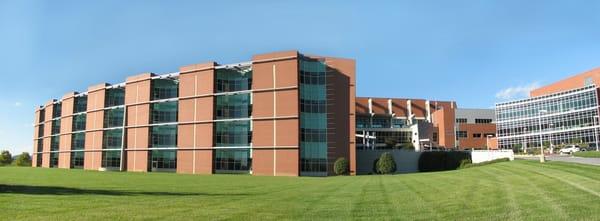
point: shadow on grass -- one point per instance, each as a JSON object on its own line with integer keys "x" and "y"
{"x": 54, "y": 190}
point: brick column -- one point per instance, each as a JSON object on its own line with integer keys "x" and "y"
{"x": 195, "y": 115}
{"x": 66, "y": 122}
{"x": 137, "y": 96}
{"x": 275, "y": 110}
{"x": 93, "y": 125}
{"x": 47, "y": 131}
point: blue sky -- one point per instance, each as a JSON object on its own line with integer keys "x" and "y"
{"x": 474, "y": 52}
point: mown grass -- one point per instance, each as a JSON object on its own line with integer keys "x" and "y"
{"x": 589, "y": 154}
{"x": 518, "y": 190}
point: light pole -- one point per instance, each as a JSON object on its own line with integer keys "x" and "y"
{"x": 542, "y": 157}
{"x": 487, "y": 142}
{"x": 596, "y": 131}
{"x": 551, "y": 125}
{"x": 525, "y": 140}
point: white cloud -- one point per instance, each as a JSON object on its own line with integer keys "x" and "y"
{"x": 517, "y": 92}
{"x": 18, "y": 104}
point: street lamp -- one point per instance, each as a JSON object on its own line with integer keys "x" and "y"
{"x": 487, "y": 142}
{"x": 596, "y": 131}
{"x": 551, "y": 125}
{"x": 542, "y": 157}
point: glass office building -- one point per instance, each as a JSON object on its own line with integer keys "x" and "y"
{"x": 552, "y": 120}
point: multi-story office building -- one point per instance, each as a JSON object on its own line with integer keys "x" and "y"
{"x": 279, "y": 114}
{"x": 565, "y": 112}
{"x": 399, "y": 123}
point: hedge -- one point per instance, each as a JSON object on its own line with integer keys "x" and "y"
{"x": 442, "y": 160}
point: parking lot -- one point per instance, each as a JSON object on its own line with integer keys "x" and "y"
{"x": 565, "y": 158}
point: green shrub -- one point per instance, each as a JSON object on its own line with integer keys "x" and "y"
{"x": 340, "y": 167}
{"x": 5, "y": 158}
{"x": 23, "y": 160}
{"x": 442, "y": 160}
{"x": 386, "y": 164}
{"x": 465, "y": 163}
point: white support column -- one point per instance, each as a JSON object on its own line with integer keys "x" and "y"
{"x": 409, "y": 108}
{"x": 428, "y": 108}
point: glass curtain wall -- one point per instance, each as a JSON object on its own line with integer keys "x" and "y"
{"x": 233, "y": 133}
{"x": 313, "y": 117}
{"x": 77, "y": 146}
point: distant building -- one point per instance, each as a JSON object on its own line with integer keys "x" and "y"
{"x": 564, "y": 112}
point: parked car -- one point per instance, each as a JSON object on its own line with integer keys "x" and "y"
{"x": 570, "y": 149}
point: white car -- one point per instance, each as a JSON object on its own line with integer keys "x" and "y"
{"x": 570, "y": 149}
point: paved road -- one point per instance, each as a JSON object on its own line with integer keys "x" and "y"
{"x": 565, "y": 158}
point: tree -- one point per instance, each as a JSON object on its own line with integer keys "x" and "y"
{"x": 386, "y": 164}
{"x": 390, "y": 142}
{"x": 340, "y": 167}
{"x": 23, "y": 160}
{"x": 5, "y": 158}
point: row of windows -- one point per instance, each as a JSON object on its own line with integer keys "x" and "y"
{"x": 313, "y": 106}
{"x": 164, "y": 89}
{"x": 163, "y": 136}
{"x": 233, "y": 106}
{"x": 384, "y": 139}
{"x": 313, "y": 135}
{"x": 463, "y": 134}
{"x": 164, "y": 112}
{"x": 113, "y": 117}
{"x": 232, "y": 160}
{"x": 162, "y": 159}
{"x": 228, "y": 80}
{"x": 111, "y": 159}
{"x": 380, "y": 122}
{"x": 232, "y": 133}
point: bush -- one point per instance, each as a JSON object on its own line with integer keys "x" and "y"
{"x": 442, "y": 160}
{"x": 340, "y": 167}
{"x": 386, "y": 164}
{"x": 23, "y": 160}
{"x": 5, "y": 158}
{"x": 484, "y": 163}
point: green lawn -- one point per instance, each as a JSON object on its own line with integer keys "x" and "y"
{"x": 518, "y": 190}
{"x": 590, "y": 154}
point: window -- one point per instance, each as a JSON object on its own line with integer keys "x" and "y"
{"x": 233, "y": 106}
{"x": 42, "y": 116}
{"x": 79, "y": 122}
{"x": 54, "y": 159}
{"x": 232, "y": 133}
{"x": 163, "y": 136}
{"x": 363, "y": 122}
{"x": 313, "y": 106}
{"x": 114, "y": 97}
{"x": 398, "y": 123}
{"x": 461, "y": 134}
{"x": 228, "y": 80}
{"x": 111, "y": 139}
{"x": 111, "y": 159}
{"x": 483, "y": 121}
{"x": 55, "y": 126}
{"x": 313, "y": 135}
{"x": 435, "y": 137}
{"x": 78, "y": 141}
{"x": 113, "y": 117}
{"x": 489, "y": 134}
{"x": 77, "y": 159}
{"x": 162, "y": 159}
{"x": 56, "y": 110}
{"x": 41, "y": 130}
{"x": 80, "y": 104}
{"x": 461, "y": 120}
{"x": 477, "y": 135}
{"x": 164, "y": 89}
{"x": 54, "y": 143}
{"x": 38, "y": 160}
{"x": 40, "y": 145}
{"x": 232, "y": 160}
{"x": 164, "y": 112}
{"x": 381, "y": 122}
